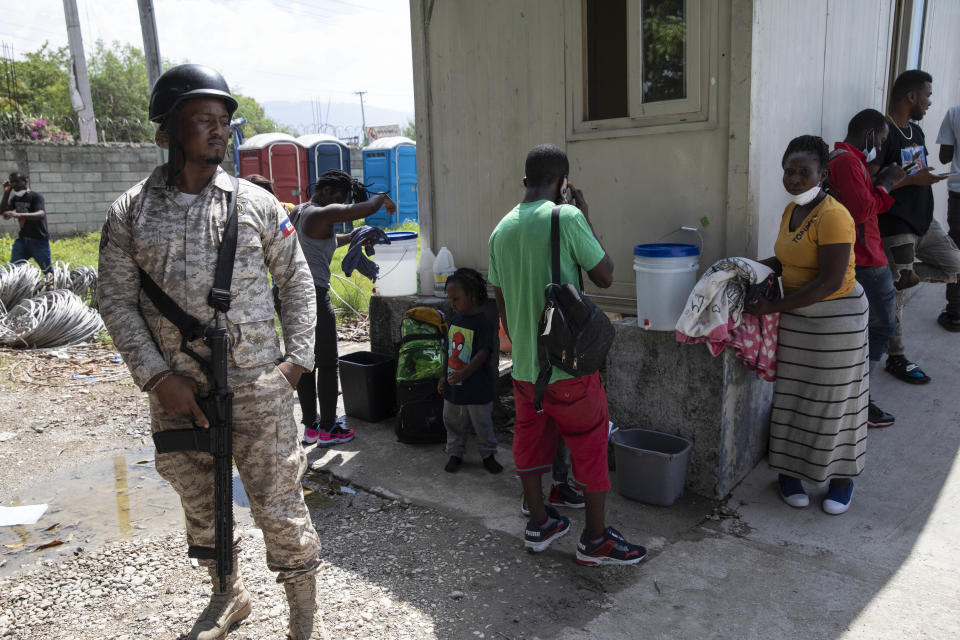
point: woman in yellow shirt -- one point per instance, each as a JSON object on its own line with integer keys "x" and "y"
{"x": 818, "y": 426}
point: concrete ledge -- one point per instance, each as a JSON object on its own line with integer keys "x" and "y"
{"x": 653, "y": 382}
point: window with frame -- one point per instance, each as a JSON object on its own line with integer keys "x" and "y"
{"x": 643, "y": 63}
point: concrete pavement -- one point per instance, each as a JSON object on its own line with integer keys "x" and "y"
{"x": 754, "y": 567}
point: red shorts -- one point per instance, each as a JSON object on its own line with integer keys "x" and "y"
{"x": 576, "y": 409}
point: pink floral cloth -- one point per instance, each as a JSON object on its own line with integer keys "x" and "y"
{"x": 755, "y": 342}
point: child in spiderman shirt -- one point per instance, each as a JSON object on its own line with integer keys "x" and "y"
{"x": 467, "y": 385}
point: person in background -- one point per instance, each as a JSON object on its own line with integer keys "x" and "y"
{"x": 266, "y": 183}
{"x": 949, "y": 140}
{"x": 866, "y": 199}
{"x": 314, "y": 222}
{"x": 818, "y": 426}
{"x": 467, "y": 383}
{"x": 27, "y": 207}
{"x": 916, "y": 246}
{"x": 520, "y": 268}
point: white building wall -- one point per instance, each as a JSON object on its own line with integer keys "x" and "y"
{"x": 815, "y": 64}
{"x": 940, "y": 58}
{"x": 491, "y": 83}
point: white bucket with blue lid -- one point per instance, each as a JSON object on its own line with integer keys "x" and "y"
{"x": 666, "y": 273}
{"x": 398, "y": 264}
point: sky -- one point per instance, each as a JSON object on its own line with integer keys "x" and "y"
{"x": 271, "y": 50}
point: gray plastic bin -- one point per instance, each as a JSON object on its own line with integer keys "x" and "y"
{"x": 651, "y": 466}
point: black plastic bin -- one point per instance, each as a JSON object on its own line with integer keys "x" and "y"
{"x": 369, "y": 385}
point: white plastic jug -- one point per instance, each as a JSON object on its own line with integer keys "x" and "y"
{"x": 443, "y": 268}
{"x": 666, "y": 274}
{"x": 398, "y": 264}
{"x": 425, "y": 272}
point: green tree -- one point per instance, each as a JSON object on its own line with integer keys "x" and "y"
{"x": 38, "y": 87}
{"x": 410, "y": 130}
{"x": 121, "y": 92}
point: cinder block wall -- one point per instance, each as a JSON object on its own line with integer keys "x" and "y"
{"x": 79, "y": 181}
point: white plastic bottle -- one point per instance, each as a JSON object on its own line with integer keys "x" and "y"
{"x": 425, "y": 272}
{"x": 443, "y": 268}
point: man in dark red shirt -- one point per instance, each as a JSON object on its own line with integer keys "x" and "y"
{"x": 851, "y": 184}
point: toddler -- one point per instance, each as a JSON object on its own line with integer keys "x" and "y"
{"x": 467, "y": 383}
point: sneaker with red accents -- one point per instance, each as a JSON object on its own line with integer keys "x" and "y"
{"x": 611, "y": 549}
{"x": 338, "y": 434}
{"x": 310, "y": 435}
{"x": 536, "y": 537}
{"x": 563, "y": 495}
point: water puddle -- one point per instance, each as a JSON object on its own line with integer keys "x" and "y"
{"x": 112, "y": 499}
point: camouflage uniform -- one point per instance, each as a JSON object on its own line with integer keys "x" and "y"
{"x": 150, "y": 227}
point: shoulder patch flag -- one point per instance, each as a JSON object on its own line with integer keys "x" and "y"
{"x": 286, "y": 227}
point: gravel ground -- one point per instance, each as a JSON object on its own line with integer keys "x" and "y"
{"x": 44, "y": 429}
{"x": 391, "y": 569}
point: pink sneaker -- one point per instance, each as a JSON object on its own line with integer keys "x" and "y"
{"x": 336, "y": 435}
{"x": 310, "y": 435}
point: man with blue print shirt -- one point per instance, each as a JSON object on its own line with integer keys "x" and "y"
{"x": 917, "y": 247}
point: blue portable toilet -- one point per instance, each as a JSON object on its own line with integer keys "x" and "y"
{"x": 324, "y": 152}
{"x": 390, "y": 165}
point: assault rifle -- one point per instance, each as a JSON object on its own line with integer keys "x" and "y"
{"x": 217, "y": 404}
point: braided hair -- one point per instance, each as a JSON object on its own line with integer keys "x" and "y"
{"x": 814, "y": 145}
{"x": 342, "y": 181}
{"x": 472, "y": 282}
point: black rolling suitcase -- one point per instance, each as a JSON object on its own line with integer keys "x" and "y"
{"x": 421, "y": 413}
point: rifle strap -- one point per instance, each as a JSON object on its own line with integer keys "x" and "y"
{"x": 182, "y": 440}
{"x": 191, "y": 328}
{"x": 201, "y": 553}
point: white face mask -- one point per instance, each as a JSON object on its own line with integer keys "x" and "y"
{"x": 20, "y": 194}
{"x": 807, "y": 196}
{"x": 871, "y": 151}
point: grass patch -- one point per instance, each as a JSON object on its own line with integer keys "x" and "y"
{"x": 354, "y": 294}
{"x": 77, "y": 250}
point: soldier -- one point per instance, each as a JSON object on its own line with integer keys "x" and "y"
{"x": 170, "y": 226}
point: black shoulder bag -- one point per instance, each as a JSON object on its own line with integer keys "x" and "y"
{"x": 217, "y": 404}
{"x": 573, "y": 335}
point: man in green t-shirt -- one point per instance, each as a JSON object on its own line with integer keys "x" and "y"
{"x": 576, "y": 408}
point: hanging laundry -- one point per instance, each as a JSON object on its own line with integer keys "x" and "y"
{"x": 714, "y": 314}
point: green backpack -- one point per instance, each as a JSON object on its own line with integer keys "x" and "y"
{"x": 423, "y": 345}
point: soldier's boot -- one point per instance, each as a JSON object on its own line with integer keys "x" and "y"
{"x": 227, "y": 607}
{"x": 306, "y": 623}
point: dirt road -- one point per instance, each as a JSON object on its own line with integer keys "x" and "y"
{"x": 391, "y": 569}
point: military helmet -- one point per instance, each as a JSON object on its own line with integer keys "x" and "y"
{"x": 187, "y": 81}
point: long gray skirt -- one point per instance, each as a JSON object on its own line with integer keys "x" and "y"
{"x": 818, "y": 427}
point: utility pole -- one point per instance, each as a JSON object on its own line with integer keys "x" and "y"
{"x": 151, "y": 44}
{"x": 151, "y": 51}
{"x": 363, "y": 116}
{"x": 79, "y": 82}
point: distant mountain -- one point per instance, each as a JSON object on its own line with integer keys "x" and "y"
{"x": 344, "y": 117}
